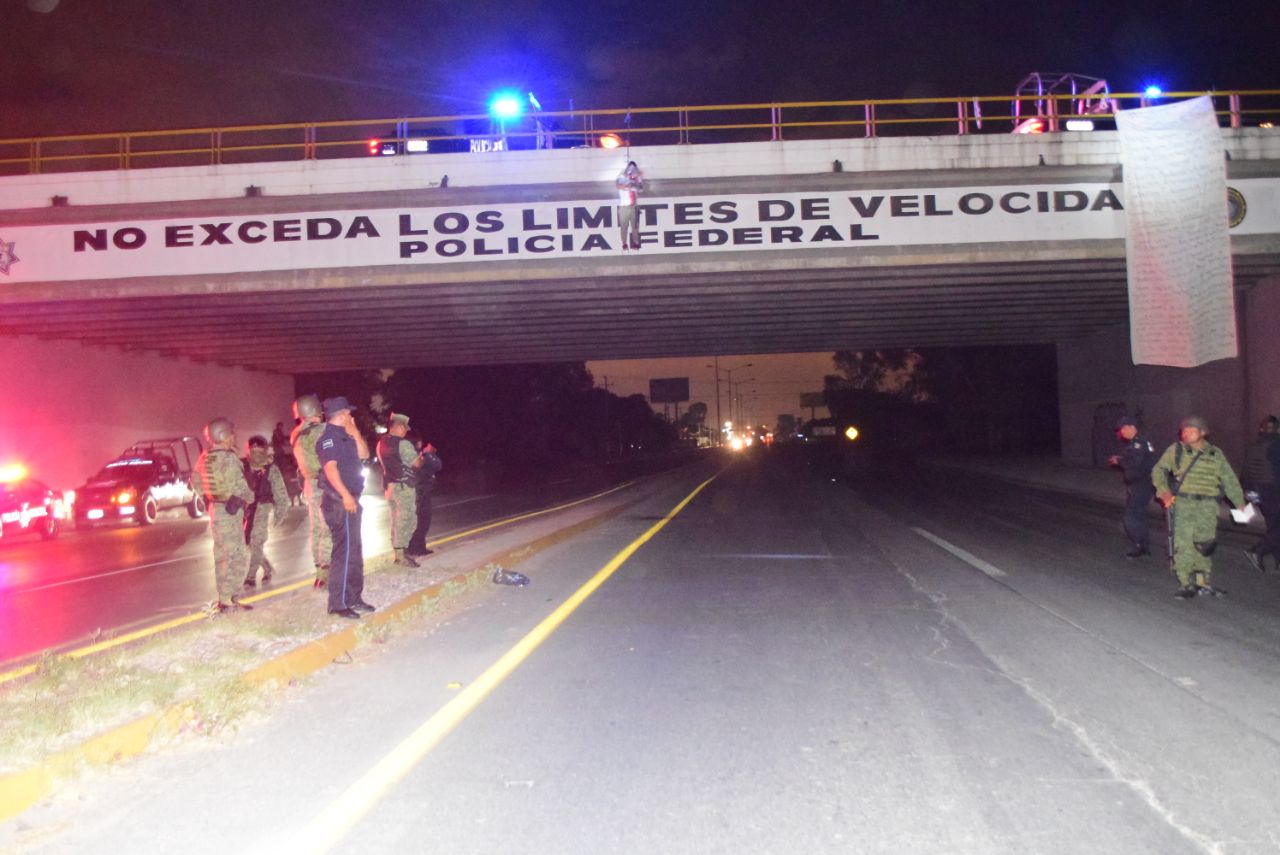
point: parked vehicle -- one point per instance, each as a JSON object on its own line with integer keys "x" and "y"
{"x": 28, "y": 506}
{"x": 150, "y": 476}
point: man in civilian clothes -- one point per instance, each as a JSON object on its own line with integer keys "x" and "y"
{"x": 629, "y": 183}
{"x": 342, "y": 452}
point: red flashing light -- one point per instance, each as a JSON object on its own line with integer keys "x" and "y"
{"x": 374, "y": 146}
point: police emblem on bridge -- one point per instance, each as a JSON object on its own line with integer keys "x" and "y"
{"x": 1236, "y": 207}
{"x": 7, "y": 258}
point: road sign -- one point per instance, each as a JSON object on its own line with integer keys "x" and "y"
{"x": 810, "y": 400}
{"x": 669, "y": 390}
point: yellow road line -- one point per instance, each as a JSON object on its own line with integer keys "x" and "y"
{"x": 332, "y": 823}
{"x": 100, "y": 646}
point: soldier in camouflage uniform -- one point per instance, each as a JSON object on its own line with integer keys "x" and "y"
{"x": 271, "y": 499}
{"x": 426, "y": 485}
{"x": 303, "y": 441}
{"x": 1190, "y": 478}
{"x": 400, "y": 464}
{"x": 219, "y": 476}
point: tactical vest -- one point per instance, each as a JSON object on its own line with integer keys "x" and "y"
{"x": 308, "y": 436}
{"x": 393, "y": 469}
{"x": 1257, "y": 468}
{"x": 212, "y": 477}
{"x": 1199, "y": 474}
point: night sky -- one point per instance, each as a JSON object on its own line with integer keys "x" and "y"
{"x": 110, "y": 65}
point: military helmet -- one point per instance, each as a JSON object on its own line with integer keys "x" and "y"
{"x": 1195, "y": 422}
{"x": 219, "y": 430}
{"x": 306, "y": 407}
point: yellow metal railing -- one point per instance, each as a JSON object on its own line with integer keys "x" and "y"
{"x": 632, "y": 127}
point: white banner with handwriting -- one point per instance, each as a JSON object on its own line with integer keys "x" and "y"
{"x": 1181, "y": 303}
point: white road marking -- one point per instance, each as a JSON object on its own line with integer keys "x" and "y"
{"x": 967, "y": 557}
{"x": 771, "y": 556}
{"x": 464, "y": 501}
{"x": 80, "y": 579}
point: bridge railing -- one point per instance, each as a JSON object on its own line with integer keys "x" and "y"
{"x": 631, "y": 127}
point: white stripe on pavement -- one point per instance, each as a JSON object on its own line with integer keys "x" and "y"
{"x": 967, "y": 557}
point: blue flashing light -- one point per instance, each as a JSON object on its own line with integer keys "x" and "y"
{"x": 1152, "y": 92}
{"x": 506, "y": 105}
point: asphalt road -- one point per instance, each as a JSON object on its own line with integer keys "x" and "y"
{"x": 87, "y": 584}
{"x": 883, "y": 662}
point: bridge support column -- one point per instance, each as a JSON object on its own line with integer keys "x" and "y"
{"x": 1097, "y": 378}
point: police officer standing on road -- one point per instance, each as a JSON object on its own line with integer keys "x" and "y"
{"x": 400, "y": 464}
{"x": 219, "y": 476}
{"x": 270, "y": 499}
{"x": 426, "y": 486}
{"x": 1135, "y": 460}
{"x": 1261, "y": 477}
{"x": 303, "y": 441}
{"x": 1189, "y": 478}
{"x": 342, "y": 452}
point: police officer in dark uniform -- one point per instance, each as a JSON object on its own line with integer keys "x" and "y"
{"x": 342, "y": 451}
{"x": 1135, "y": 459}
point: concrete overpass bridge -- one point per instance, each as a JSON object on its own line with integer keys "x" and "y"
{"x": 254, "y": 272}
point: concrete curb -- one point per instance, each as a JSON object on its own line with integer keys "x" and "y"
{"x": 20, "y": 790}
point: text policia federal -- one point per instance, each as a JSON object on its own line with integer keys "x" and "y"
{"x": 476, "y": 232}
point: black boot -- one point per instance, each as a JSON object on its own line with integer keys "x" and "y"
{"x": 1139, "y": 550}
{"x": 1187, "y": 592}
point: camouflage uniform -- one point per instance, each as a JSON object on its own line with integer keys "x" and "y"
{"x": 1194, "y": 515}
{"x": 271, "y": 499}
{"x": 219, "y": 475}
{"x": 400, "y": 482}
{"x": 303, "y": 440}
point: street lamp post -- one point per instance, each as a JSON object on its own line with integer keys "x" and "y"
{"x": 736, "y": 396}
{"x": 728, "y": 371}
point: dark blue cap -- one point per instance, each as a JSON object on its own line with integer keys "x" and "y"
{"x": 1126, "y": 420}
{"x": 333, "y": 406}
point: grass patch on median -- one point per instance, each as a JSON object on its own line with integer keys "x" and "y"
{"x": 67, "y": 700}
{"x": 197, "y": 668}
